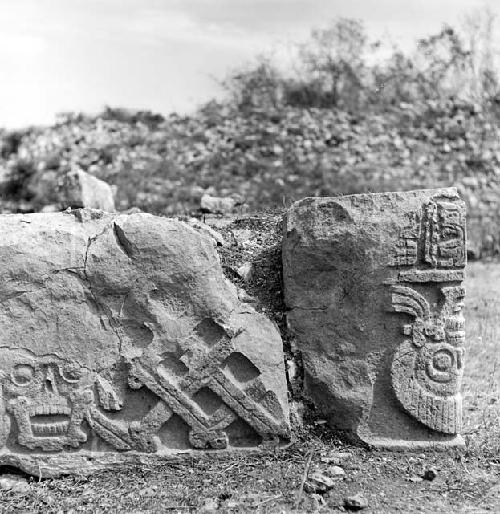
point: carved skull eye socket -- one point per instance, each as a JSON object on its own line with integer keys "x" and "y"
{"x": 71, "y": 374}
{"x": 23, "y": 375}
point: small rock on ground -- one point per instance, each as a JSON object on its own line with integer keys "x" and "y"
{"x": 210, "y": 505}
{"x": 245, "y": 271}
{"x": 318, "y": 483}
{"x": 356, "y": 502}
{"x": 217, "y": 205}
{"x": 430, "y": 474}
{"x": 336, "y": 471}
{"x": 14, "y": 483}
{"x": 336, "y": 457}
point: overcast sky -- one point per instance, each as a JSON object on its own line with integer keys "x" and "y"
{"x": 164, "y": 55}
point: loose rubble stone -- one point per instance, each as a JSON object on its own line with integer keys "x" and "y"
{"x": 356, "y": 502}
{"x": 373, "y": 284}
{"x": 80, "y": 189}
{"x": 336, "y": 471}
{"x": 336, "y": 458}
{"x": 210, "y": 505}
{"x": 217, "y": 205}
{"x": 121, "y": 339}
{"x": 14, "y": 483}
{"x": 318, "y": 482}
{"x": 245, "y": 271}
{"x": 430, "y": 474}
{"x": 313, "y": 503}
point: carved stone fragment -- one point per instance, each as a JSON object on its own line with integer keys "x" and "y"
{"x": 121, "y": 337}
{"x": 427, "y": 367}
{"x": 373, "y": 284}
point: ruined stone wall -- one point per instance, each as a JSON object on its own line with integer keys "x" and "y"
{"x": 373, "y": 288}
{"x": 126, "y": 336}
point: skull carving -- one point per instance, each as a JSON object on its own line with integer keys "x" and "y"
{"x": 48, "y": 398}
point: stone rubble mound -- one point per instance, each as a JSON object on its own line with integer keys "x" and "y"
{"x": 267, "y": 157}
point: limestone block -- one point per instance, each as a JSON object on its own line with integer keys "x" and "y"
{"x": 122, "y": 340}
{"x": 373, "y": 284}
{"x": 219, "y": 204}
{"x": 80, "y": 189}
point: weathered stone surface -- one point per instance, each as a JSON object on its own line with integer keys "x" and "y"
{"x": 217, "y": 205}
{"x": 373, "y": 287}
{"x": 80, "y": 189}
{"x": 121, "y": 338}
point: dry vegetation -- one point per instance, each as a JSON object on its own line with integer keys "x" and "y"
{"x": 481, "y": 387}
{"x": 342, "y": 119}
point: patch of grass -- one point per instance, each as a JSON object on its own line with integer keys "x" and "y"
{"x": 481, "y": 386}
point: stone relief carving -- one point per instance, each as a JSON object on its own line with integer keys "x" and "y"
{"x": 433, "y": 237}
{"x": 444, "y": 245}
{"x": 49, "y": 399}
{"x": 427, "y": 367}
{"x": 406, "y": 249}
{"x": 122, "y": 337}
{"x": 217, "y": 367}
{"x": 374, "y": 296}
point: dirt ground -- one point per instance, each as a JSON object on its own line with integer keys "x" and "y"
{"x": 462, "y": 481}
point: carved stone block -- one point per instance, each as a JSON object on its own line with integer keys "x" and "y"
{"x": 121, "y": 339}
{"x": 373, "y": 284}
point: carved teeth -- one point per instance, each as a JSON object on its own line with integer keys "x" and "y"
{"x": 50, "y": 409}
{"x": 455, "y": 324}
{"x": 50, "y": 429}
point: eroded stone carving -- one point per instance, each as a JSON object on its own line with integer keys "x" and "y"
{"x": 48, "y": 399}
{"x": 373, "y": 284}
{"x": 445, "y": 232}
{"x": 427, "y": 367}
{"x": 406, "y": 247}
{"x": 124, "y": 337}
{"x": 221, "y": 371}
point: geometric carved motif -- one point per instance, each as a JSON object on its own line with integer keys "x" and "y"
{"x": 406, "y": 249}
{"x": 444, "y": 245}
{"x": 443, "y": 242}
{"x": 227, "y": 374}
{"x": 50, "y": 400}
{"x": 427, "y": 367}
